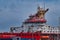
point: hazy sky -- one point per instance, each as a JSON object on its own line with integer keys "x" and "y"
{"x": 14, "y": 12}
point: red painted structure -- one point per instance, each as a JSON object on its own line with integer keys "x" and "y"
{"x": 21, "y": 35}
{"x": 36, "y": 20}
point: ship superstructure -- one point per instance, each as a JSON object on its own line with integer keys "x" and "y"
{"x": 37, "y": 22}
{"x": 34, "y": 28}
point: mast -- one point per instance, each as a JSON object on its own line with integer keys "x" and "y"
{"x": 41, "y": 12}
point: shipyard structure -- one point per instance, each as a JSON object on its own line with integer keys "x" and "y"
{"x": 33, "y": 28}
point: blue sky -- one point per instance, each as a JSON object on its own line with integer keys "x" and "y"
{"x": 14, "y": 12}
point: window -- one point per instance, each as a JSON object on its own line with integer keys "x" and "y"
{"x": 41, "y": 28}
{"x": 50, "y": 31}
{"x": 53, "y": 31}
{"x": 47, "y": 31}
{"x": 44, "y": 31}
{"x": 49, "y": 26}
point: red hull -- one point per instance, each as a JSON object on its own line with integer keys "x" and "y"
{"x": 21, "y": 35}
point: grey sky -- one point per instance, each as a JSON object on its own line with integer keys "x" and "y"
{"x": 14, "y": 12}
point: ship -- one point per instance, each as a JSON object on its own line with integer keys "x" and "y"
{"x": 33, "y": 28}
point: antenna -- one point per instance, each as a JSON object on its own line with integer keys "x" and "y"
{"x": 44, "y": 4}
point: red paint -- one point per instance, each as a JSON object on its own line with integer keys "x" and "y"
{"x": 6, "y": 36}
{"x": 36, "y": 20}
{"x": 22, "y": 35}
